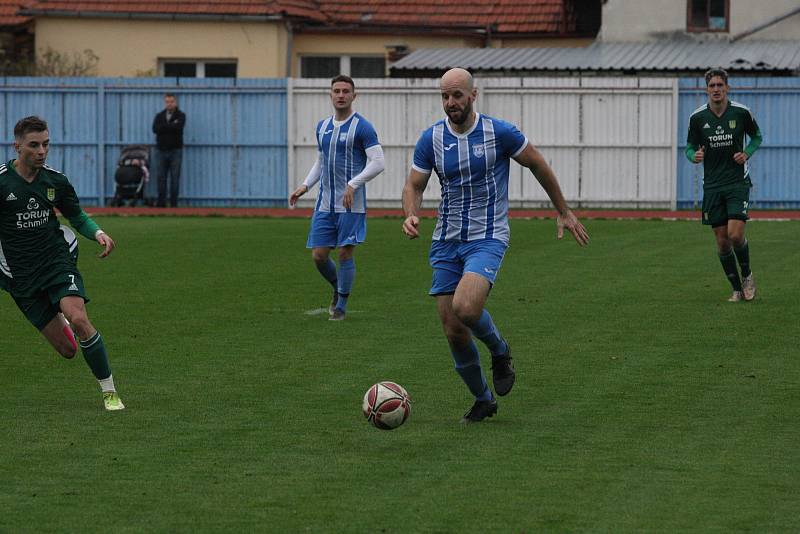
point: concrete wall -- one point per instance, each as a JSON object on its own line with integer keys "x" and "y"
{"x": 128, "y": 46}
{"x": 642, "y": 20}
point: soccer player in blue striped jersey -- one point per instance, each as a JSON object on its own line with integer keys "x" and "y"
{"x": 471, "y": 154}
{"x": 349, "y": 157}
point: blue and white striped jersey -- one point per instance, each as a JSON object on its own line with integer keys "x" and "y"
{"x": 343, "y": 150}
{"x": 473, "y": 174}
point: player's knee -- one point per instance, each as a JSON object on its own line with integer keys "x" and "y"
{"x": 466, "y": 312}
{"x": 67, "y": 350}
{"x": 319, "y": 257}
{"x": 82, "y": 326}
{"x": 737, "y": 239}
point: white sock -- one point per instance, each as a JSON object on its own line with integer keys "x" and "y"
{"x": 107, "y": 384}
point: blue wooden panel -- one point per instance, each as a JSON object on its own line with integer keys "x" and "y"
{"x": 775, "y": 103}
{"x": 235, "y": 136}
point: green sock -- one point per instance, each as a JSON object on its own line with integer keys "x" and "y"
{"x": 94, "y": 352}
{"x": 728, "y": 262}
{"x": 743, "y": 255}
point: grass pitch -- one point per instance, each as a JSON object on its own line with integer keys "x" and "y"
{"x": 644, "y": 401}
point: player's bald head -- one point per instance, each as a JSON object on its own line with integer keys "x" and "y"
{"x": 457, "y": 77}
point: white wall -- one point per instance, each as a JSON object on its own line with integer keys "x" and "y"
{"x": 646, "y": 20}
{"x": 642, "y": 20}
{"x": 611, "y": 141}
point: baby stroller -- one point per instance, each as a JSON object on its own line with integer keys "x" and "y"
{"x": 131, "y": 175}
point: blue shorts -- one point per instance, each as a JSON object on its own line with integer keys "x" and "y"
{"x": 451, "y": 259}
{"x": 336, "y": 229}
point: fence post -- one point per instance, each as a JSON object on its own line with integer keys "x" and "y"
{"x": 101, "y": 146}
{"x": 290, "y": 137}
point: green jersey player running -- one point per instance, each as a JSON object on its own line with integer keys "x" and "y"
{"x": 716, "y": 139}
{"x": 38, "y": 268}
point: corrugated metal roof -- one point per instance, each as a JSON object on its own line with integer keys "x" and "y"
{"x": 673, "y": 55}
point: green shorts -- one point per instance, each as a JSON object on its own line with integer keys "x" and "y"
{"x": 730, "y": 203}
{"x": 42, "y": 307}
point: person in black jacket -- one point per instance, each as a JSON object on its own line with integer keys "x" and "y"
{"x": 168, "y": 127}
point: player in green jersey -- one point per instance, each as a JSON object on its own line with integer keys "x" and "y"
{"x": 716, "y": 139}
{"x": 37, "y": 263}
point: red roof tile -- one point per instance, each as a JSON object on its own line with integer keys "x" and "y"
{"x": 294, "y": 8}
{"x": 8, "y": 13}
{"x": 503, "y": 16}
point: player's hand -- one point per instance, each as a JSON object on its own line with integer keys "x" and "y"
{"x": 299, "y": 192}
{"x": 411, "y": 227}
{"x": 700, "y": 154}
{"x": 105, "y": 240}
{"x": 347, "y": 200}
{"x": 570, "y": 222}
{"x": 740, "y": 158}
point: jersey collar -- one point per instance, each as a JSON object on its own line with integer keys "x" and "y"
{"x": 465, "y": 134}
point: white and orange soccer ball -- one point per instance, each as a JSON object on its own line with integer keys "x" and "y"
{"x": 386, "y": 405}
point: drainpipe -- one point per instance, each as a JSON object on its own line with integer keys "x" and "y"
{"x": 289, "y": 47}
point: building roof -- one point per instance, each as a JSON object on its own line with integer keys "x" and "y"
{"x": 217, "y": 8}
{"x": 551, "y": 17}
{"x": 502, "y": 16}
{"x": 661, "y": 56}
{"x": 8, "y": 13}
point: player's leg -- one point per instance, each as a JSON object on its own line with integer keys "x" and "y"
{"x": 738, "y": 201}
{"x": 93, "y": 348}
{"x": 351, "y": 230}
{"x": 715, "y": 214}
{"x": 727, "y": 259}
{"x": 346, "y": 275}
{"x": 447, "y": 271}
{"x": 482, "y": 261}
{"x": 60, "y": 335}
{"x": 321, "y": 239}
{"x": 463, "y": 348}
{"x": 46, "y": 318}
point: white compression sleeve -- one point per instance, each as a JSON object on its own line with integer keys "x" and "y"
{"x": 315, "y": 173}
{"x": 374, "y": 167}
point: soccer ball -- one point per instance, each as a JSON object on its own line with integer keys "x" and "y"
{"x": 386, "y": 405}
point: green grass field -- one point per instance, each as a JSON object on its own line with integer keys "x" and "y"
{"x": 644, "y": 401}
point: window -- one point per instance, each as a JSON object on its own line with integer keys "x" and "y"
{"x": 355, "y": 66}
{"x": 367, "y": 67}
{"x": 198, "y": 68}
{"x": 708, "y": 15}
{"x": 320, "y": 67}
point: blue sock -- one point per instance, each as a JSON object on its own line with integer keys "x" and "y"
{"x": 347, "y": 272}
{"x": 486, "y": 331}
{"x": 468, "y": 365}
{"x": 328, "y": 271}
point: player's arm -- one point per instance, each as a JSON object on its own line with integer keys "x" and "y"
{"x": 312, "y": 178}
{"x": 695, "y": 151}
{"x": 415, "y": 186}
{"x": 375, "y": 165}
{"x": 533, "y": 159}
{"x": 754, "y": 132}
{"x": 78, "y": 219}
{"x": 90, "y": 230}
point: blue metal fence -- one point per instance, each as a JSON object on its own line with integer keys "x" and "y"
{"x": 775, "y": 102}
{"x": 235, "y": 137}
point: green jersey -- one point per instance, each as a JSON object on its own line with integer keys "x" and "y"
{"x": 32, "y": 245}
{"x": 723, "y": 137}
